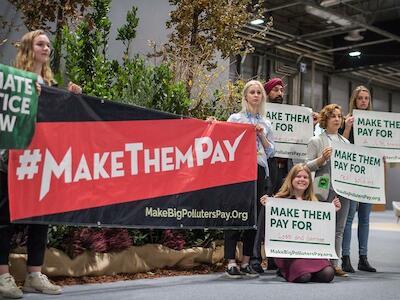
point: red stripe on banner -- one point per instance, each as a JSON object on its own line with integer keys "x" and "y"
{"x": 78, "y": 165}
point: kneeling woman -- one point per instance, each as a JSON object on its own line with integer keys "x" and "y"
{"x": 297, "y": 185}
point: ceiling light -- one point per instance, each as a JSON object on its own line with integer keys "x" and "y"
{"x": 354, "y": 36}
{"x": 327, "y": 15}
{"x": 257, "y": 22}
{"x": 354, "y": 53}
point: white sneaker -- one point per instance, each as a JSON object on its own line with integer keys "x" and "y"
{"x": 39, "y": 283}
{"x": 8, "y": 288}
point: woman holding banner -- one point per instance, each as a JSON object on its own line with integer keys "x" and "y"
{"x": 319, "y": 151}
{"x": 253, "y": 112}
{"x": 360, "y": 99}
{"x": 33, "y": 55}
{"x": 297, "y": 185}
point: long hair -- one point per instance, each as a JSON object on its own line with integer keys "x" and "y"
{"x": 25, "y": 58}
{"x": 354, "y": 96}
{"x": 287, "y": 191}
{"x": 262, "y": 109}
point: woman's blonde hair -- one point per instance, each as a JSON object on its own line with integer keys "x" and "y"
{"x": 326, "y": 113}
{"x": 25, "y": 58}
{"x": 287, "y": 191}
{"x": 262, "y": 109}
{"x": 354, "y": 96}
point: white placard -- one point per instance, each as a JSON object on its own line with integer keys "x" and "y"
{"x": 293, "y": 127}
{"x": 299, "y": 229}
{"x": 378, "y": 130}
{"x": 358, "y": 173}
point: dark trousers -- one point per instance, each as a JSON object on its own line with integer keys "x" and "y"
{"x": 231, "y": 237}
{"x": 278, "y": 169}
{"x": 37, "y": 234}
{"x": 36, "y": 244}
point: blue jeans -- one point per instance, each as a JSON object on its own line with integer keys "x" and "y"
{"x": 364, "y": 210}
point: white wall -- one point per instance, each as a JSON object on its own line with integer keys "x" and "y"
{"x": 152, "y": 17}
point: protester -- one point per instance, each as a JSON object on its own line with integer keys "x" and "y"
{"x": 278, "y": 169}
{"x": 360, "y": 99}
{"x": 319, "y": 151}
{"x": 33, "y": 55}
{"x": 297, "y": 185}
{"x": 253, "y": 112}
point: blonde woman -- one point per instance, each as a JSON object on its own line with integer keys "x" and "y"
{"x": 360, "y": 99}
{"x": 253, "y": 112}
{"x": 297, "y": 185}
{"x": 33, "y": 55}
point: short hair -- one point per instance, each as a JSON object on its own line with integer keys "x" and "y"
{"x": 354, "y": 96}
{"x": 262, "y": 111}
{"x": 326, "y": 113}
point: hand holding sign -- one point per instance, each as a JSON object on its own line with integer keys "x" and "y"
{"x": 358, "y": 173}
{"x": 349, "y": 122}
{"x": 337, "y": 204}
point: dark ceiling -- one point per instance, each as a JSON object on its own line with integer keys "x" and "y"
{"x": 319, "y": 31}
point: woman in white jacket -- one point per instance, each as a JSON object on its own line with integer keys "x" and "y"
{"x": 319, "y": 151}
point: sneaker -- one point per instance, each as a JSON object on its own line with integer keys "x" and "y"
{"x": 257, "y": 267}
{"x": 339, "y": 272}
{"x": 249, "y": 272}
{"x": 233, "y": 272}
{"x": 39, "y": 283}
{"x": 8, "y": 288}
{"x": 279, "y": 273}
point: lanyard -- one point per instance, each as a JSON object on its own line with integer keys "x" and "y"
{"x": 339, "y": 136}
{"x": 250, "y": 118}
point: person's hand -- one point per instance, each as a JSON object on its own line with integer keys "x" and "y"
{"x": 38, "y": 88}
{"x": 349, "y": 122}
{"x": 74, "y": 88}
{"x": 337, "y": 203}
{"x": 264, "y": 199}
{"x": 211, "y": 119}
{"x": 315, "y": 117}
{"x": 259, "y": 130}
{"x": 326, "y": 153}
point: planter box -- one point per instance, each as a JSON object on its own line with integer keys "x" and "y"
{"x": 132, "y": 260}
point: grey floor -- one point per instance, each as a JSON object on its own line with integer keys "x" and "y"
{"x": 384, "y": 254}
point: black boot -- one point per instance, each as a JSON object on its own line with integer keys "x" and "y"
{"x": 364, "y": 265}
{"x": 271, "y": 265}
{"x": 346, "y": 264}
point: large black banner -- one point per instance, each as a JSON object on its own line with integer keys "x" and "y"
{"x": 97, "y": 162}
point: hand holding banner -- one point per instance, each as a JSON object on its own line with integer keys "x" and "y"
{"x": 358, "y": 173}
{"x": 18, "y": 103}
{"x": 293, "y": 128}
{"x": 299, "y": 229}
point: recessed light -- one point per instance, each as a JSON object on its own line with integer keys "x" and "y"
{"x": 355, "y": 53}
{"x": 257, "y": 22}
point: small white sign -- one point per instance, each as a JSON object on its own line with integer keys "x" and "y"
{"x": 358, "y": 173}
{"x": 293, "y": 128}
{"x": 378, "y": 130}
{"x": 299, "y": 229}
